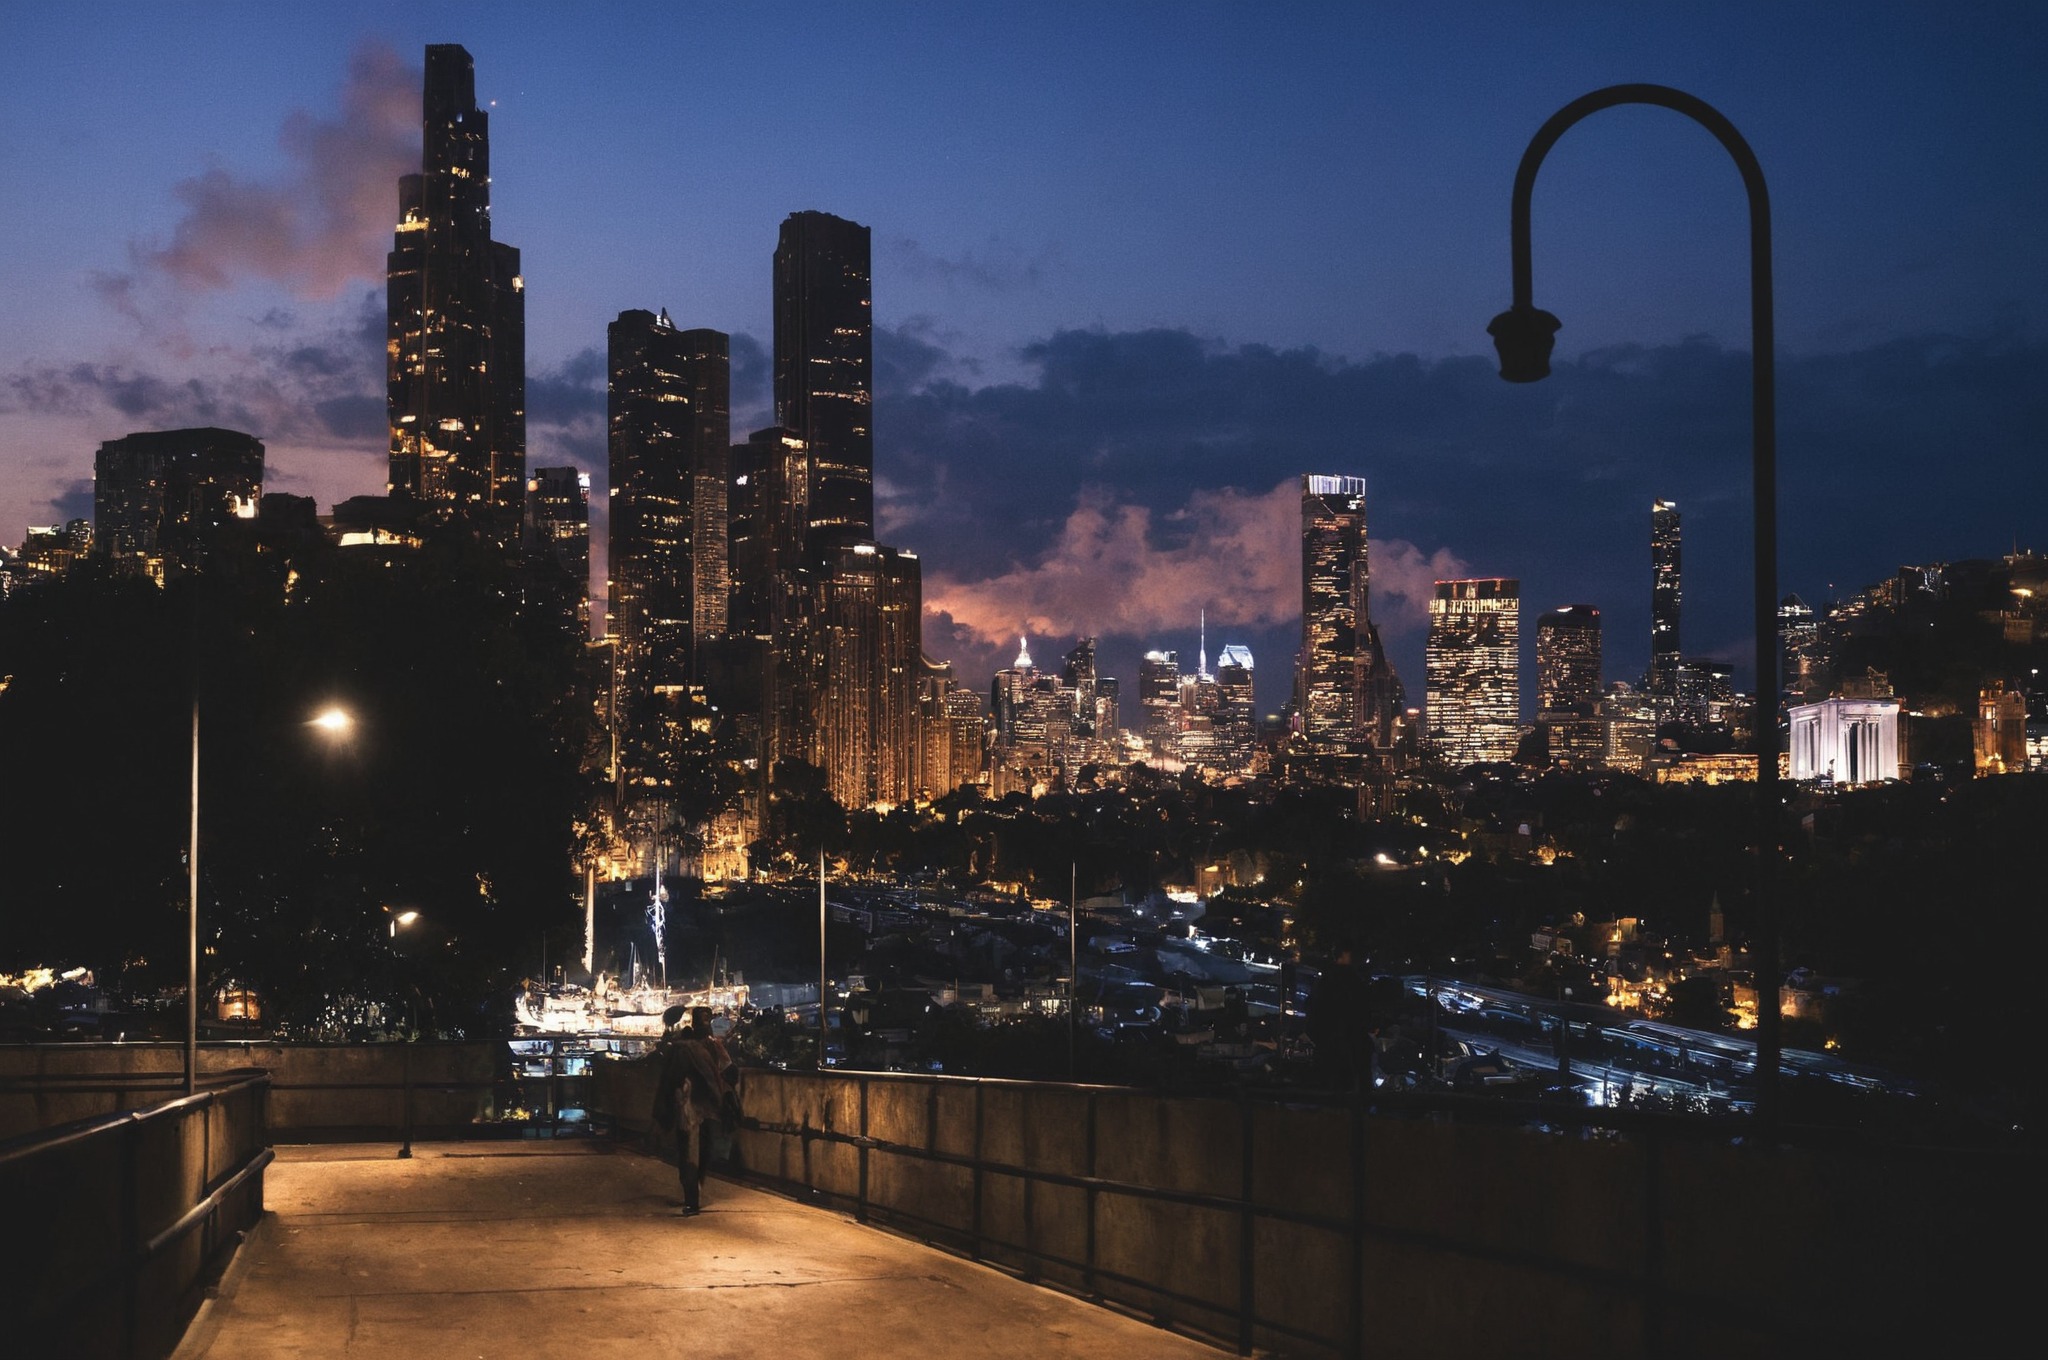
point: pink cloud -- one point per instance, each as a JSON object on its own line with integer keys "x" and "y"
{"x": 327, "y": 222}
{"x": 1115, "y": 570}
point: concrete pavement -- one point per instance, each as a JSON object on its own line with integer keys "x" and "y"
{"x": 496, "y": 1250}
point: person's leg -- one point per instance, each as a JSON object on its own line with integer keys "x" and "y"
{"x": 689, "y": 1165}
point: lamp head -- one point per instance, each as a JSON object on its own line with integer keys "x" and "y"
{"x": 1524, "y": 336}
{"x": 334, "y": 721}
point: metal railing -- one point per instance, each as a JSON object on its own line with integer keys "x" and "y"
{"x": 1293, "y": 1223}
{"x": 117, "y": 1224}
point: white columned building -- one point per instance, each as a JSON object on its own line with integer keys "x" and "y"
{"x": 1848, "y": 741}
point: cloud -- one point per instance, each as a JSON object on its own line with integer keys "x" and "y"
{"x": 321, "y": 226}
{"x": 996, "y": 266}
{"x": 1116, "y": 568}
{"x": 1179, "y": 440}
{"x": 74, "y": 501}
{"x": 303, "y": 383}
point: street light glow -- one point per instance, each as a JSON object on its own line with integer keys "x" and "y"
{"x": 334, "y": 721}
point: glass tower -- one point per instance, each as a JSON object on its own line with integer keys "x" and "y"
{"x": 455, "y": 356}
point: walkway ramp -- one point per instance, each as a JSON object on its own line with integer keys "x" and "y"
{"x": 578, "y": 1249}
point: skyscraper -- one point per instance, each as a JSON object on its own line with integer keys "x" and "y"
{"x": 161, "y": 498}
{"x": 1568, "y": 679}
{"x": 1568, "y": 683}
{"x": 1335, "y": 593}
{"x": 456, "y": 321}
{"x": 667, "y": 441}
{"x": 1473, "y": 663}
{"x": 1159, "y": 708}
{"x": 867, "y": 658}
{"x": 1237, "y": 715}
{"x": 1665, "y": 598}
{"x": 557, "y": 547}
{"x": 824, "y": 367}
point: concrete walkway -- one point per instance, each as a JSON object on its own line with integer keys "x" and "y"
{"x": 539, "y": 1250}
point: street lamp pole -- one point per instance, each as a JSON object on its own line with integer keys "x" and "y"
{"x": 334, "y": 722}
{"x": 192, "y": 923}
{"x": 1524, "y": 336}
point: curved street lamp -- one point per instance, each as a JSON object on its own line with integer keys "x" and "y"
{"x": 1524, "y": 336}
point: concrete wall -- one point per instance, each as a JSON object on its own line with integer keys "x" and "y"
{"x": 318, "y": 1091}
{"x": 1350, "y": 1233}
{"x": 102, "y": 1253}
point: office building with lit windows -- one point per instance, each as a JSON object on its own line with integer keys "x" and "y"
{"x": 1666, "y": 596}
{"x": 1335, "y": 593}
{"x": 1473, "y": 662}
{"x": 455, "y": 360}
{"x": 557, "y": 547}
{"x": 667, "y": 441}
{"x": 824, "y": 367}
{"x": 1568, "y": 683}
{"x": 866, "y": 659}
{"x": 162, "y": 498}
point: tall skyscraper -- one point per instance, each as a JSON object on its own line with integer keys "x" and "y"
{"x": 1568, "y": 679}
{"x": 1473, "y": 663}
{"x": 456, "y": 321}
{"x": 1159, "y": 701}
{"x": 1568, "y": 683}
{"x": 1335, "y": 593}
{"x": 1665, "y": 598}
{"x": 557, "y": 548}
{"x": 667, "y": 440}
{"x": 824, "y": 368}
{"x": 161, "y": 497}
{"x": 867, "y": 659}
{"x": 1237, "y": 715}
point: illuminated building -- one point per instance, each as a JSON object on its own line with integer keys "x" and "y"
{"x": 455, "y": 357}
{"x": 942, "y": 765}
{"x": 1628, "y": 727}
{"x": 764, "y": 538}
{"x": 557, "y": 549}
{"x": 47, "y": 552}
{"x": 1335, "y": 593}
{"x": 1237, "y": 710}
{"x": 1999, "y": 735}
{"x": 667, "y": 439}
{"x": 1473, "y": 663}
{"x": 1568, "y": 683}
{"x": 1845, "y": 741}
{"x": 162, "y": 498}
{"x": 824, "y": 367}
{"x": 1159, "y": 701}
{"x": 867, "y": 659}
{"x": 1666, "y": 595}
{"x": 1801, "y": 668}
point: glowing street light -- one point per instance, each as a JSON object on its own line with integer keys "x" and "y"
{"x": 332, "y": 721}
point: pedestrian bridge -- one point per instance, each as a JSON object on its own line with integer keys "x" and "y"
{"x": 858, "y": 1207}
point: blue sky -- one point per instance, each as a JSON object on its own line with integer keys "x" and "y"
{"x": 1136, "y": 267}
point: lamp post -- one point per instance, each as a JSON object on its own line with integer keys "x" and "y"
{"x": 1524, "y": 336}
{"x": 333, "y": 722}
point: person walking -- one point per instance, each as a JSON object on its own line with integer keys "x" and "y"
{"x": 690, "y": 1093}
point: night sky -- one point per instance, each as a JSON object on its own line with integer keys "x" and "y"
{"x": 1134, "y": 272}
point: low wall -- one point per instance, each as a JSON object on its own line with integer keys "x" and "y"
{"x": 319, "y": 1092}
{"x": 1317, "y": 1230}
{"x": 114, "y": 1226}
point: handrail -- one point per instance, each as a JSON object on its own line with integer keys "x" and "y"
{"x": 44, "y": 1140}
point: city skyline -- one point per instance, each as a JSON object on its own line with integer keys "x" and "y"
{"x": 1084, "y": 425}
